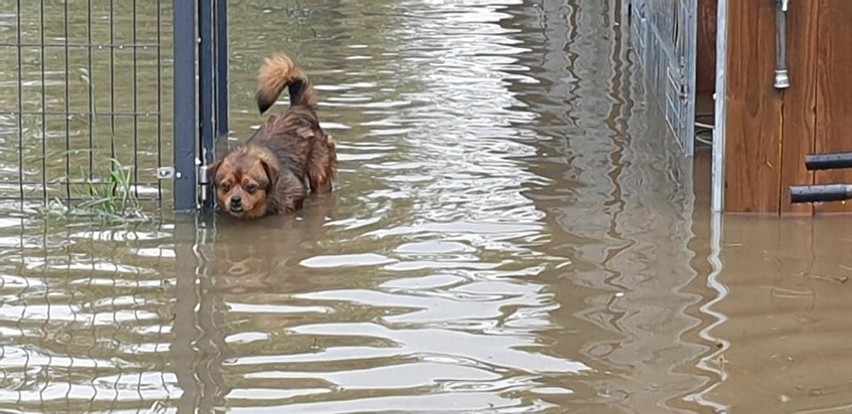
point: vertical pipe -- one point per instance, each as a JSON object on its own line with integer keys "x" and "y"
{"x": 185, "y": 114}
{"x": 222, "y": 55}
{"x": 782, "y": 79}
{"x": 206, "y": 82}
{"x": 717, "y": 202}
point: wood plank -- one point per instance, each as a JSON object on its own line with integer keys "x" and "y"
{"x": 834, "y": 91}
{"x": 799, "y": 107}
{"x": 705, "y": 66}
{"x": 753, "y": 130}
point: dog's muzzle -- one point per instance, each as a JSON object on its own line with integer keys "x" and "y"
{"x": 236, "y": 204}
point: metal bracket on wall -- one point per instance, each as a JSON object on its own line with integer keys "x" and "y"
{"x": 782, "y": 79}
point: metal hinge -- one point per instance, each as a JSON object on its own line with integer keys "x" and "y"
{"x": 169, "y": 173}
{"x": 203, "y": 182}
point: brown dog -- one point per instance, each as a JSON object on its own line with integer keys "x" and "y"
{"x": 267, "y": 175}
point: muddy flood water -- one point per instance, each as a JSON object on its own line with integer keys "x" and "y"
{"x": 513, "y": 230}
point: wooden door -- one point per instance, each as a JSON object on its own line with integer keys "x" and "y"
{"x": 769, "y": 132}
{"x": 834, "y": 91}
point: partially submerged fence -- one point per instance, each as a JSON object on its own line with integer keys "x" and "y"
{"x": 664, "y": 33}
{"x": 91, "y": 86}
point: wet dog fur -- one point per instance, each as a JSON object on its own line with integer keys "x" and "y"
{"x": 267, "y": 175}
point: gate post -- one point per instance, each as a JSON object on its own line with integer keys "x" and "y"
{"x": 206, "y": 88}
{"x": 200, "y": 106}
{"x": 222, "y": 103}
{"x": 184, "y": 106}
{"x": 212, "y": 78}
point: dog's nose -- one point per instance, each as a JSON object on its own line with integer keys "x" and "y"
{"x": 236, "y": 204}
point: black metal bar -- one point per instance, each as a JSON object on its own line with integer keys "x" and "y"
{"x": 90, "y": 90}
{"x": 67, "y": 105}
{"x": 77, "y": 198}
{"x": 112, "y": 78}
{"x": 76, "y": 182}
{"x": 159, "y": 99}
{"x": 820, "y": 193}
{"x": 79, "y": 114}
{"x": 206, "y": 82}
{"x": 185, "y": 114}
{"x": 222, "y": 55}
{"x": 829, "y": 161}
{"x": 135, "y": 76}
{"x": 82, "y": 45}
{"x": 43, "y": 108}
{"x": 20, "y": 107}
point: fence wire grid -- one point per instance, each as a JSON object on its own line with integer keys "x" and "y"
{"x": 85, "y": 82}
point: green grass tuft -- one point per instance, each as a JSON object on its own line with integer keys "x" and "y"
{"x": 109, "y": 199}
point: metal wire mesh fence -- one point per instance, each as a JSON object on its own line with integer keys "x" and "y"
{"x": 86, "y": 90}
{"x": 665, "y": 33}
{"x": 88, "y": 87}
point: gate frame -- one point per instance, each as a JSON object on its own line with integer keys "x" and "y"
{"x": 200, "y": 95}
{"x": 717, "y": 193}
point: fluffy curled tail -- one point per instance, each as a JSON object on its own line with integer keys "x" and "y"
{"x": 278, "y": 72}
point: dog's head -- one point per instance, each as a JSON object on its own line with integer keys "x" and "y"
{"x": 243, "y": 182}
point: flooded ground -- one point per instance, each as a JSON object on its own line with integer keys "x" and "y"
{"x": 513, "y": 231}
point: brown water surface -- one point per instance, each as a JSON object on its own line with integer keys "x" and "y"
{"x": 512, "y": 231}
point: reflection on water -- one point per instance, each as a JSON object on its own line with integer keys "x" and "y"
{"x": 512, "y": 232}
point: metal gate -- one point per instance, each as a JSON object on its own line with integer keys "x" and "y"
{"x": 201, "y": 107}
{"x": 664, "y": 35}
{"x": 94, "y": 90}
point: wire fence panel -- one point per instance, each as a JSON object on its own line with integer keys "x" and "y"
{"x": 664, "y": 34}
{"x": 87, "y": 88}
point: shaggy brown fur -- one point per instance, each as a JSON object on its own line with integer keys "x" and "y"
{"x": 267, "y": 175}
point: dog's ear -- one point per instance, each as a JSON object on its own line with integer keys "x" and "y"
{"x": 271, "y": 173}
{"x": 211, "y": 171}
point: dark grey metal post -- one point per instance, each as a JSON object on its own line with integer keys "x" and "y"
{"x": 206, "y": 77}
{"x": 185, "y": 114}
{"x": 207, "y": 83}
{"x": 222, "y": 104}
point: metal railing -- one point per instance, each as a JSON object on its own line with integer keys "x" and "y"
{"x": 823, "y": 192}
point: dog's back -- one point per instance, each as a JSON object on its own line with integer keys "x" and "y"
{"x": 295, "y": 135}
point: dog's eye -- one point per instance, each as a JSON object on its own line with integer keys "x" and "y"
{"x": 251, "y": 188}
{"x": 224, "y": 188}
